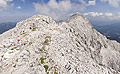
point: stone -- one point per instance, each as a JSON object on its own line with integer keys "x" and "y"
{"x": 85, "y": 50}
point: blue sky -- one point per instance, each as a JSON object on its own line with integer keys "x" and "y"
{"x": 16, "y": 10}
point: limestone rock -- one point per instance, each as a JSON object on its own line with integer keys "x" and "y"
{"x": 39, "y": 45}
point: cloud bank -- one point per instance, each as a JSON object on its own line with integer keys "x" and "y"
{"x": 61, "y": 9}
{"x": 92, "y": 2}
{"x": 102, "y": 16}
{"x": 114, "y": 3}
{"x": 4, "y": 4}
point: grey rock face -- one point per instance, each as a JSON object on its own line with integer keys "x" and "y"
{"x": 39, "y": 45}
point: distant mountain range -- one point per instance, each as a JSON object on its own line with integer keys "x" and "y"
{"x": 112, "y": 31}
{"x": 6, "y": 26}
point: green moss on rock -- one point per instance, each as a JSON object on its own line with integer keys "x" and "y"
{"x": 55, "y": 72}
{"x": 62, "y": 54}
{"x": 46, "y": 67}
{"x": 33, "y": 29}
{"x": 42, "y": 60}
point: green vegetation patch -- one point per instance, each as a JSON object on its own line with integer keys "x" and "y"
{"x": 16, "y": 60}
{"x": 46, "y": 42}
{"x": 33, "y": 29}
{"x": 46, "y": 67}
{"x": 55, "y": 72}
{"x": 48, "y": 37}
{"x": 30, "y": 43}
{"x": 14, "y": 66}
{"x": 62, "y": 54}
{"x": 41, "y": 50}
{"x": 38, "y": 64}
{"x": 31, "y": 65}
{"x": 36, "y": 59}
{"x": 42, "y": 60}
{"x": 51, "y": 60}
{"x": 23, "y": 33}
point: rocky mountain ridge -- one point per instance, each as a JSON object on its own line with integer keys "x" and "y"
{"x": 39, "y": 45}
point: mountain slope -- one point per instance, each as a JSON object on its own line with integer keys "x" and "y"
{"x": 6, "y": 26}
{"x": 111, "y": 31}
{"x": 39, "y": 45}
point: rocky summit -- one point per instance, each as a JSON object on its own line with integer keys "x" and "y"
{"x": 39, "y": 45}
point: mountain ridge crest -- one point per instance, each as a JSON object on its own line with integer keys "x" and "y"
{"x": 40, "y": 45}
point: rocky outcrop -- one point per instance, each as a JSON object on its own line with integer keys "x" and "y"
{"x": 39, "y": 45}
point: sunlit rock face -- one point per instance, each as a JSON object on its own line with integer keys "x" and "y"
{"x": 39, "y": 45}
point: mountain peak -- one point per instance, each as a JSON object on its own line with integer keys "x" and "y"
{"x": 37, "y": 19}
{"x": 75, "y": 16}
{"x": 39, "y": 45}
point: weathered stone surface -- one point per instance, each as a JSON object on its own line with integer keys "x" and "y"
{"x": 39, "y": 45}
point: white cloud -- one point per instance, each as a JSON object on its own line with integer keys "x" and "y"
{"x": 114, "y": 3}
{"x": 92, "y": 2}
{"x": 108, "y": 14}
{"x": 23, "y": 1}
{"x": 82, "y": 1}
{"x": 19, "y": 7}
{"x": 104, "y": 0}
{"x": 102, "y": 16}
{"x": 62, "y": 5}
{"x": 58, "y": 10}
{"x": 4, "y": 4}
{"x": 93, "y": 14}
